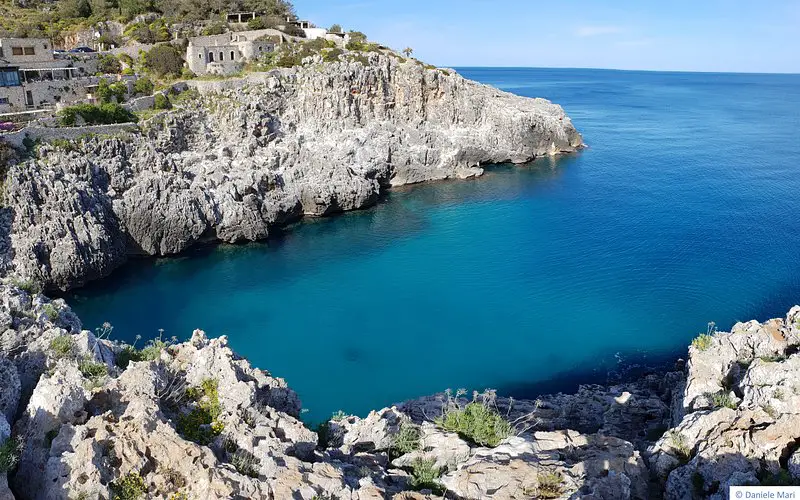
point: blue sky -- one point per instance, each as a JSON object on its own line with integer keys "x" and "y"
{"x": 697, "y": 35}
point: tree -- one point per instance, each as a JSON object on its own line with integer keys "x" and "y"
{"x": 336, "y": 28}
{"x": 408, "y": 51}
{"x": 109, "y": 64}
{"x": 76, "y": 8}
{"x": 164, "y": 60}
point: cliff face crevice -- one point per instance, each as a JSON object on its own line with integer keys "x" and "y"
{"x": 236, "y": 158}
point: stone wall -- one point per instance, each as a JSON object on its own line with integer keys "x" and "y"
{"x": 48, "y": 134}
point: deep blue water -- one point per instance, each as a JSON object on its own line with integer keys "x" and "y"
{"x": 684, "y": 210}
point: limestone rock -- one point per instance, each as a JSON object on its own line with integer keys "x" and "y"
{"x": 248, "y": 155}
{"x": 564, "y": 464}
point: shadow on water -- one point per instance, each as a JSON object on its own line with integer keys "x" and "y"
{"x": 399, "y": 215}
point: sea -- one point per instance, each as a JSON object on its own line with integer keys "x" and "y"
{"x": 683, "y": 210}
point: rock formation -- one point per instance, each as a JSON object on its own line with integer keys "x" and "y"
{"x": 193, "y": 420}
{"x": 237, "y": 158}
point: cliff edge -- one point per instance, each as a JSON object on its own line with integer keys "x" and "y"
{"x": 239, "y": 157}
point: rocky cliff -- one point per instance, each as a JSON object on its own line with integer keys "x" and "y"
{"x": 237, "y": 158}
{"x": 91, "y": 418}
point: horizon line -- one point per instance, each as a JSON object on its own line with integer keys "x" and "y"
{"x": 631, "y": 70}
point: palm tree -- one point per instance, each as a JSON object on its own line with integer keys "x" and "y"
{"x": 408, "y": 51}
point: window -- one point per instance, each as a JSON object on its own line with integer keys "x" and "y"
{"x": 3, "y": 100}
{"x": 29, "y": 51}
{"x": 221, "y": 57}
{"x": 210, "y": 57}
{"x": 17, "y": 51}
{"x": 232, "y": 56}
{"x": 9, "y": 77}
{"x": 199, "y": 56}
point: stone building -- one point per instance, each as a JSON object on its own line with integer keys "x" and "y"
{"x": 227, "y": 53}
{"x": 31, "y": 77}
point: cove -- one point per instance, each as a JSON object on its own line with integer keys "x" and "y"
{"x": 683, "y": 210}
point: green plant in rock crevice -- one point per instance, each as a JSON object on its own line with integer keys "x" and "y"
{"x": 10, "y": 451}
{"x": 478, "y": 421}
{"x": 200, "y": 424}
{"x": 405, "y": 441}
{"x": 425, "y": 475}
{"x": 128, "y": 487}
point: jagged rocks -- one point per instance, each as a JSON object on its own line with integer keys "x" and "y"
{"x": 252, "y": 154}
{"x": 561, "y": 464}
{"x": 741, "y": 423}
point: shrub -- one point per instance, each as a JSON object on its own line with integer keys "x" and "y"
{"x": 95, "y": 115}
{"x": 28, "y": 286}
{"x": 256, "y": 24}
{"x": 10, "y": 452}
{"x": 62, "y": 346}
{"x": 339, "y": 416}
{"x": 405, "y": 441}
{"x": 703, "y": 342}
{"x": 723, "y": 399}
{"x": 332, "y": 55}
{"x": 151, "y": 352}
{"x": 200, "y": 425}
{"x": 50, "y": 311}
{"x": 678, "y": 443}
{"x": 550, "y": 485}
{"x": 128, "y": 487}
{"x": 246, "y": 463}
{"x": 110, "y": 92}
{"x": 143, "y": 86}
{"x": 214, "y": 29}
{"x": 161, "y": 102}
{"x": 476, "y": 422}
{"x": 92, "y": 369}
{"x": 164, "y": 60}
{"x": 336, "y": 28}
{"x": 109, "y": 64}
{"x": 425, "y": 475}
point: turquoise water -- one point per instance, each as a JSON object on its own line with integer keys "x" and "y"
{"x": 684, "y": 210}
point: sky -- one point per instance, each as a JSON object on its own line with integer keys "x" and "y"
{"x": 761, "y": 36}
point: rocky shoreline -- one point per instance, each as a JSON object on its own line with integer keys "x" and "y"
{"x": 91, "y": 415}
{"x": 238, "y": 158}
{"x": 83, "y": 416}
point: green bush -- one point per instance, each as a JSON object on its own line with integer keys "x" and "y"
{"x": 703, "y": 342}
{"x": 29, "y": 286}
{"x": 50, "y": 311}
{"x": 200, "y": 424}
{"x": 256, "y": 24}
{"x": 550, "y": 485}
{"x": 62, "y": 346}
{"x": 161, "y": 102}
{"x": 128, "y": 487}
{"x": 425, "y": 475}
{"x": 723, "y": 399}
{"x": 151, "y": 352}
{"x": 164, "y": 60}
{"x": 110, "y": 92}
{"x": 10, "y": 452}
{"x": 214, "y": 29}
{"x": 405, "y": 441}
{"x": 95, "y": 115}
{"x": 109, "y": 64}
{"x": 331, "y": 55}
{"x": 476, "y": 422}
{"x": 92, "y": 369}
{"x": 246, "y": 463}
{"x": 143, "y": 86}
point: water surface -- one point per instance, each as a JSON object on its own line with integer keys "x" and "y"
{"x": 684, "y": 210}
